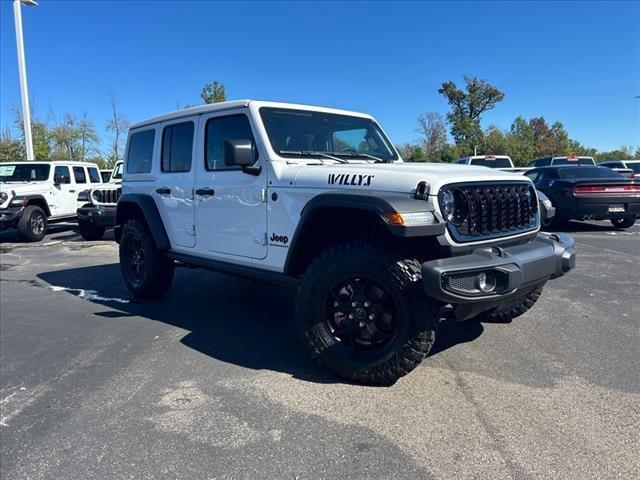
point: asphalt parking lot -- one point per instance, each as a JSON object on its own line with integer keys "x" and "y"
{"x": 211, "y": 381}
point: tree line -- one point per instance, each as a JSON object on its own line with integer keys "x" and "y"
{"x": 442, "y": 138}
{"x": 72, "y": 137}
{"x": 525, "y": 140}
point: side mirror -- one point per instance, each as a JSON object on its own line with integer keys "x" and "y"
{"x": 241, "y": 153}
{"x": 57, "y": 180}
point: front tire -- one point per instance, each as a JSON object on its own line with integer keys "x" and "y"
{"x": 90, "y": 231}
{"x": 511, "y": 309}
{"x": 363, "y": 315}
{"x": 147, "y": 272}
{"x": 624, "y": 222}
{"x": 33, "y": 223}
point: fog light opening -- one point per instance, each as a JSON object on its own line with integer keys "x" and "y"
{"x": 486, "y": 282}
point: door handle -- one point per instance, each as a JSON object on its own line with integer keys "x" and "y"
{"x": 72, "y": 191}
{"x": 205, "y": 192}
{"x": 163, "y": 191}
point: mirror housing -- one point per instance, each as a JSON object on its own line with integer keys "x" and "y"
{"x": 57, "y": 180}
{"x": 241, "y": 153}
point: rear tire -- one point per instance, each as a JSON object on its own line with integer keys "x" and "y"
{"x": 90, "y": 231}
{"x": 147, "y": 272}
{"x": 624, "y": 222}
{"x": 362, "y": 314}
{"x": 33, "y": 223}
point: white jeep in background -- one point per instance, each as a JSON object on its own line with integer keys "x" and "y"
{"x": 34, "y": 194}
{"x": 98, "y": 211}
{"x": 319, "y": 199}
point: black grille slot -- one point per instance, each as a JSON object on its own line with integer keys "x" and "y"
{"x": 492, "y": 210}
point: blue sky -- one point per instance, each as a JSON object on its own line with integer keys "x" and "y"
{"x": 574, "y": 62}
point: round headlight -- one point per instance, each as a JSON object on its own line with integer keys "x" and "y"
{"x": 448, "y": 205}
{"x": 97, "y": 195}
{"x": 3, "y": 197}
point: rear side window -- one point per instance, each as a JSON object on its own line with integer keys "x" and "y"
{"x": 217, "y": 130}
{"x": 79, "y": 175}
{"x": 94, "y": 175}
{"x": 140, "y": 152}
{"x": 491, "y": 162}
{"x": 61, "y": 175}
{"x": 177, "y": 147}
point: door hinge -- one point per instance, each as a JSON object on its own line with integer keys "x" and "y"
{"x": 263, "y": 197}
{"x": 191, "y": 230}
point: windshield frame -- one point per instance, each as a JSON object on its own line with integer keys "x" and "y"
{"x": 27, "y": 164}
{"x": 288, "y": 154}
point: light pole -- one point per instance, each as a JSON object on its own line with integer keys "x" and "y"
{"x": 22, "y": 69}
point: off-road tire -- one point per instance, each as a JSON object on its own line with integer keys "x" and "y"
{"x": 90, "y": 231}
{"x": 416, "y": 322}
{"x": 510, "y": 309}
{"x": 624, "y": 222}
{"x": 153, "y": 278}
{"x": 33, "y": 223}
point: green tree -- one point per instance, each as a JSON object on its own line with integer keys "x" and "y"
{"x": 11, "y": 149}
{"x": 40, "y": 135}
{"x": 213, "y": 92}
{"x": 494, "y": 142}
{"x": 467, "y": 108}
{"x": 520, "y": 142}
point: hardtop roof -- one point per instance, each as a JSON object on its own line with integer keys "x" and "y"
{"x": 230, "y": 105}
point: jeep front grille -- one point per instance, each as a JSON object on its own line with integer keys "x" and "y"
{"x": 106, "y": 196}
{"x": 490, "y": 210}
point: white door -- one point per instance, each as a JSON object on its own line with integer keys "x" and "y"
{"x": 231, "y": 212}
{"x": 174, "y": 186}
{"x": 64, "y": 192}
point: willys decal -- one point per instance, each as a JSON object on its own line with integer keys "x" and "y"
{"x": 350, "y": 179}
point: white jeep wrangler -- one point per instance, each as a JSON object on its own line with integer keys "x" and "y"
{"x": 33, "y": 194}
{"x": 98, "y": 211}
{"x": 319, "y": 199}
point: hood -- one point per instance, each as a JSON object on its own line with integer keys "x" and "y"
{"x": 22, "y": 188}
{"x": 388, "y": 177}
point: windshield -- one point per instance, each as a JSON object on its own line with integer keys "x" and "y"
{"x": 22, "y": 172}
{"x": 597, "y": 172}
{"x": 491, "y": 162}
{"x": 573, "y": 161}
{"x": 117, "y": 172}
{"x": 295, "y": 132}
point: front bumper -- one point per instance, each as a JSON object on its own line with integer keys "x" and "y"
{"x": 9, "y": 216}
{"x": 99, "y": 215}
{"x": 513, "y": 270}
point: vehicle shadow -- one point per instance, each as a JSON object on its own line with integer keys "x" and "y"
{"x": 55, "y": 231}
{"x": 233, "y": 320}
{"x": 576, "y": 226}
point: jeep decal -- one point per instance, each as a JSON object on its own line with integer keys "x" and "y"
{"x": 350, "y": 179}
{"x": 279, "y": 239}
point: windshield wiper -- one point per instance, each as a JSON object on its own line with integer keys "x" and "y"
{"x": 366, "y": 155}
{"x": 311, "y": 153}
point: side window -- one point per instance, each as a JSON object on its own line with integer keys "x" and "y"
{"x": 177, "y": 147}
{"x": 217, "y": 130}
{"x": 79, "y": 175}
{"x": 462, "y": 162}
{"x": 61, "y": 175}
{"x": 140, "y": 152}
{"x": 94, "y": 175}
